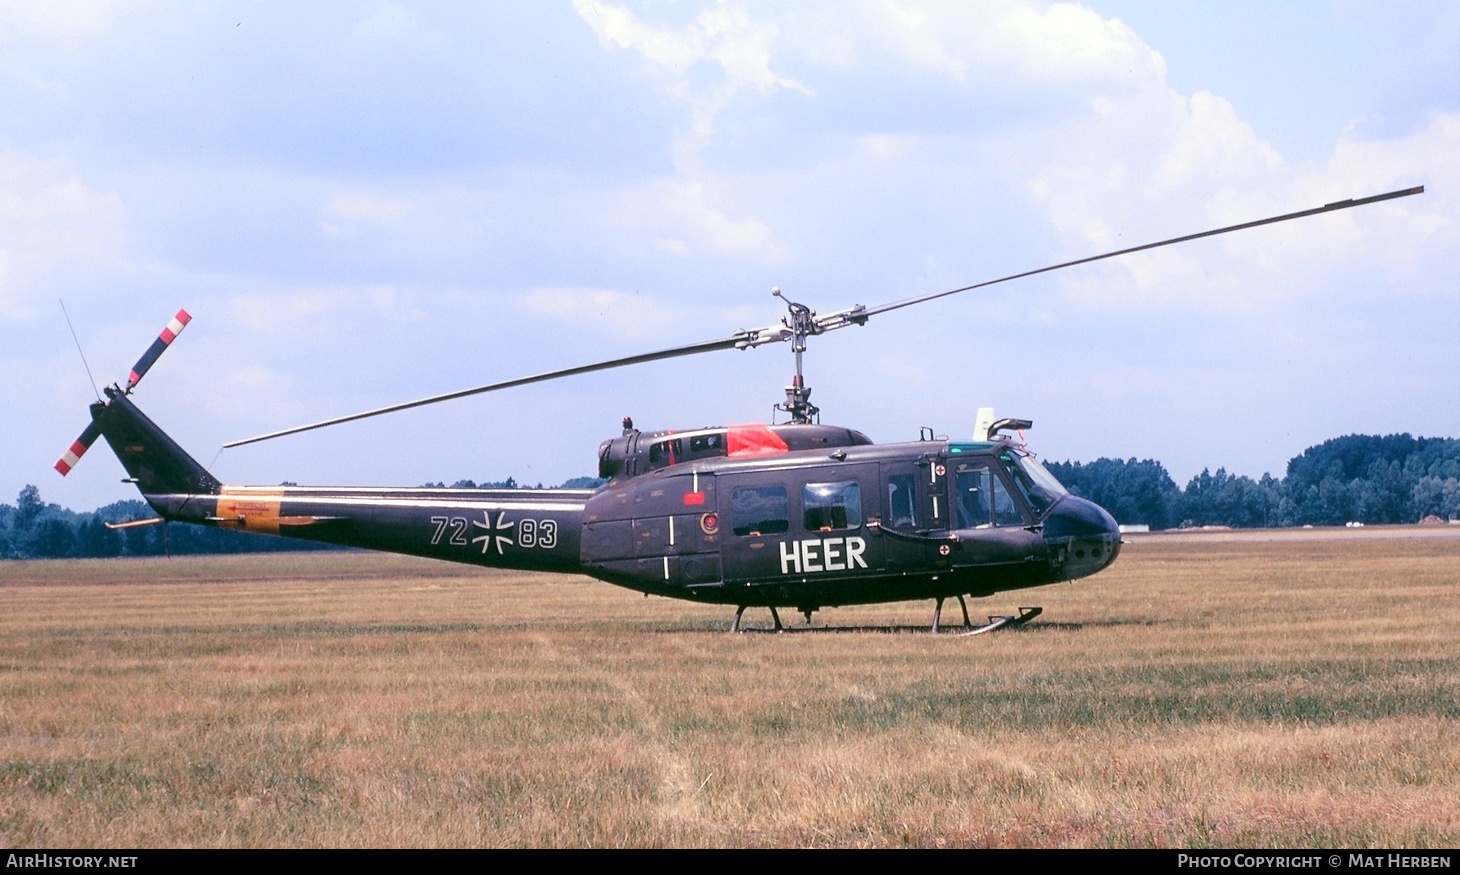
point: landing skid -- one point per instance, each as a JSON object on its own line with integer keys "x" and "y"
{"x": 1006, "y": 621}
{"x": 996, "y": 621}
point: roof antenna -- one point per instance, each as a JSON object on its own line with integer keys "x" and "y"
{"x": 78, "y": 349}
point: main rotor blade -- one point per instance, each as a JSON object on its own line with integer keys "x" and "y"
{"x": 738, "y": 340}
{"x": 746, "y": 339}
{"x": 1326, "y": 208}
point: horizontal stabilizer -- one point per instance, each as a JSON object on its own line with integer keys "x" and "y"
{"x": 132, "y": 524}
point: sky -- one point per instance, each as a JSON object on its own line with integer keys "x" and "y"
{"x": 361, "y": 203}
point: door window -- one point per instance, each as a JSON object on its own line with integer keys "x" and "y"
{"x": 830, "y": 506}
{"x": 902, "y": 501}
{"x": 981, "y": 499}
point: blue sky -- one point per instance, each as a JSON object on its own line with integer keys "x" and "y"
{"x": 365, "y": 202}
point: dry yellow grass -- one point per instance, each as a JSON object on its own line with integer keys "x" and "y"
{"x": 1207, "y": 692}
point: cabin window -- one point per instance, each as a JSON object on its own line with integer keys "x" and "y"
{"x": 672, "y": 451}
{"x": 902, "y": 501}
{"x": 829, "y": 506}
{"x": 665, "y": 451}
{"x": 708, "y": 443}
{"x": 760, "y": 510}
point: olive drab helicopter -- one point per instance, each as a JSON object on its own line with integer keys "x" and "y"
{"x": 796, "y": 514}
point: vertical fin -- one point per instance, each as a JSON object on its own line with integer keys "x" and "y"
{"x": 152, "y": 459}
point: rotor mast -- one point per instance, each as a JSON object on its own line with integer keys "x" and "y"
{"x": 802, "y": 322}
{"x": 797, "y": 325}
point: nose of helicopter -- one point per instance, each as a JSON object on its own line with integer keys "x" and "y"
{"x": 1082, "y": 537}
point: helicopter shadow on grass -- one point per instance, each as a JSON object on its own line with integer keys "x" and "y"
{"x": 952, "y": 631}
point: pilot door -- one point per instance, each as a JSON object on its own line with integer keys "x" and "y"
{"x": 994, "y": 526}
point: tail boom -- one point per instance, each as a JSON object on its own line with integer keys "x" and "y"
{"x": 528, "y": 529}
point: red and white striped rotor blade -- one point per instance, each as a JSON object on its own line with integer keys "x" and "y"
{"x": 149, "y": 358}
{"x": 78, "y": 449}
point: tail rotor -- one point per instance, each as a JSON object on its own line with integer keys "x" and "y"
{"x": 78, "y": 447}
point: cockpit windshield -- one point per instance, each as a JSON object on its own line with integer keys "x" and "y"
{"x": 1039, "y": 487}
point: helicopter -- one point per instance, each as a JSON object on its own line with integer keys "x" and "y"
{"x": 797, "y": 514}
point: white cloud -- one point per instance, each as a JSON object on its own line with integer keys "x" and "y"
{"x": 678, "y": 216}
{"x": 604, "y": 311}
{"x": 736, "y": 48}
{"x": 1428, "y": 154}
{"x": 344, "y": 215}
{"x": 1067, "y": 42}
{"x": 58, "y": 23}
{"x": 58, "y": 235}
{"x": 1165, "y": 166}
{"x": 724, "y": 35}
{"x": 293, "y": 310}
{"x": 982, "y": 47}
{"x": 1212, "y": 141}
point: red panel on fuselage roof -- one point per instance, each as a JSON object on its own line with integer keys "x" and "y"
{"x": 753, "y": 440}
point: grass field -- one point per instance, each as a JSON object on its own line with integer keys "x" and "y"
{"x": 1201, "y": 692}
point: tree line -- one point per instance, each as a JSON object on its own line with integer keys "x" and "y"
{"x": 34, "y": 529}
{"x": 1358, "y": 478}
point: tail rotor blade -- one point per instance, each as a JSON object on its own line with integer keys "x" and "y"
{"x": 78, "y": 449}
{"x": 149, "y": 358}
